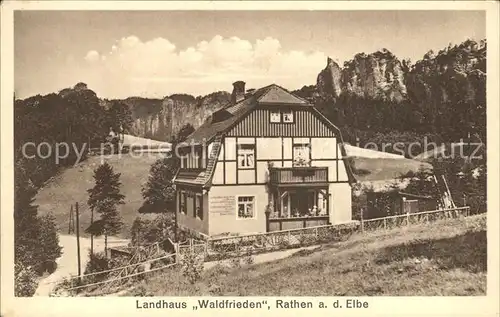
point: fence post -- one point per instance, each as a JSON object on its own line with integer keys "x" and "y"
{"x": 385, "y": 223}
{"x": 426, "y": 217}
{"x": 176, "y": 248}
{"x": 407, "y": 219}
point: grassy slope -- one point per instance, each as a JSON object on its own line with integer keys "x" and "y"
{"x": 71, "y": 186}
{"x": 452, "y": 257}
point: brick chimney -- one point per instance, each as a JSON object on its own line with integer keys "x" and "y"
{"x": 238, "y": 91}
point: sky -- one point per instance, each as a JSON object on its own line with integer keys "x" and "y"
{"x": 153, "y": 54}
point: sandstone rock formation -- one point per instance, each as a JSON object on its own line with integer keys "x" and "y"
{"x": 378, "y": 75}
{"x": 161, "y": 119}
{"x": 454, "y": 73}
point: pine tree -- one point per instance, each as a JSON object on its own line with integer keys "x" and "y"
{"x": 104, "y": 198}
{"x": 49, "y": 240}
{"x": 36, "y": 243}
{"x": 26, "y": 222}
{"x": 158, "y": 192}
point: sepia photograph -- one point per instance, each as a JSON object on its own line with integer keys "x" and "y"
{"x": 262, "y": 153}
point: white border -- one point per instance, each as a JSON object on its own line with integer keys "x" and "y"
{"x": 380, "y": 306}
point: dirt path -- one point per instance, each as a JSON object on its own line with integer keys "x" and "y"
{"x": 264, "y": 257}
{"x": 67, "y": 264}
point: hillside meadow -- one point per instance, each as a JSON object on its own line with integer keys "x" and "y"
{"x": 71, "y": 184}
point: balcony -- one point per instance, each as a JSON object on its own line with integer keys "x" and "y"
{"x": 298, "y": 176}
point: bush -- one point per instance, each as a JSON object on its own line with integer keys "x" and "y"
{"x": 248, "y": 258}
{"x": 147, "y": 231}
{"x": 97, "y": 262}
{"x": 26, "y": 281}
{"x": 192, "y": 266}
{"x": 235, "y": 262}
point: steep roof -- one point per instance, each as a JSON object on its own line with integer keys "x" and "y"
{"x": 275, "y": 94}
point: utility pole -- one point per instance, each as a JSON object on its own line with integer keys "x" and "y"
{"x": 71, "y": 226}
{"x": 78, "y": 241}
{"x": 91, "y": 234}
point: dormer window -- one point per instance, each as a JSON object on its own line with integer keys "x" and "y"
{"x": 275, "y": 117}
{"x": 288, "y": 116}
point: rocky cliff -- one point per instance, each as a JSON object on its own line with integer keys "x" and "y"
{"x": 454, "y": 73}
{"x": 379, "y": 75}
{"x": 161, "y": 119}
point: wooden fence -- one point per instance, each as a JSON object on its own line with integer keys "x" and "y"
{"x": 223, "y": 247}
{"x": 196, "y": 246}
{"x": 413, "y": 218}
{"x": 119, "y": 274}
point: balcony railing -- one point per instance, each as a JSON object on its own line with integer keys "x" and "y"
{"x": 298, "y": 175}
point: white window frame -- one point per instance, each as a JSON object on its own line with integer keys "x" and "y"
{"x": 307, "y": 159}
{"x": 292, "y": 115}
{"x": 253, "y": 202}
{"x": 275, "y": 113}
{"x": 246, "y": 153}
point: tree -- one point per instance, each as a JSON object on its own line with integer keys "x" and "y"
{"x": 26, "y": 222}
{"x": 181, "y": 136}
{"x": 422, "y": 183}
{"x": 49, "y": 240}
{"x": 158, "y": 192}
{"x": 36, "y": 243}
{"x": 104, "y": 198}
{"x": 120, "y": 116}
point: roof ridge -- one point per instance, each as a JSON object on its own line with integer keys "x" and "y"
{"x": 278, "y": 87}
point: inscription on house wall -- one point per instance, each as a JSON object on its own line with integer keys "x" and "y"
{"x": 223, "y": 205}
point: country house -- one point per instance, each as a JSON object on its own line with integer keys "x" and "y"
{"x": 267, "y": 161}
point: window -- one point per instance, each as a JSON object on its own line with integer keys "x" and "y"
{"x": 246, "y": 207}
{"x": 246, "y": 156}
{"x": 275, "y": 117}
{"x": 193, "y": 204}
{"x": 301, "y": 155}
{"x": 199, "y": 207}
{"x": 182, "y": 202}
{"x": 307, "y": 203}
{"x": 288, "y": 116}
